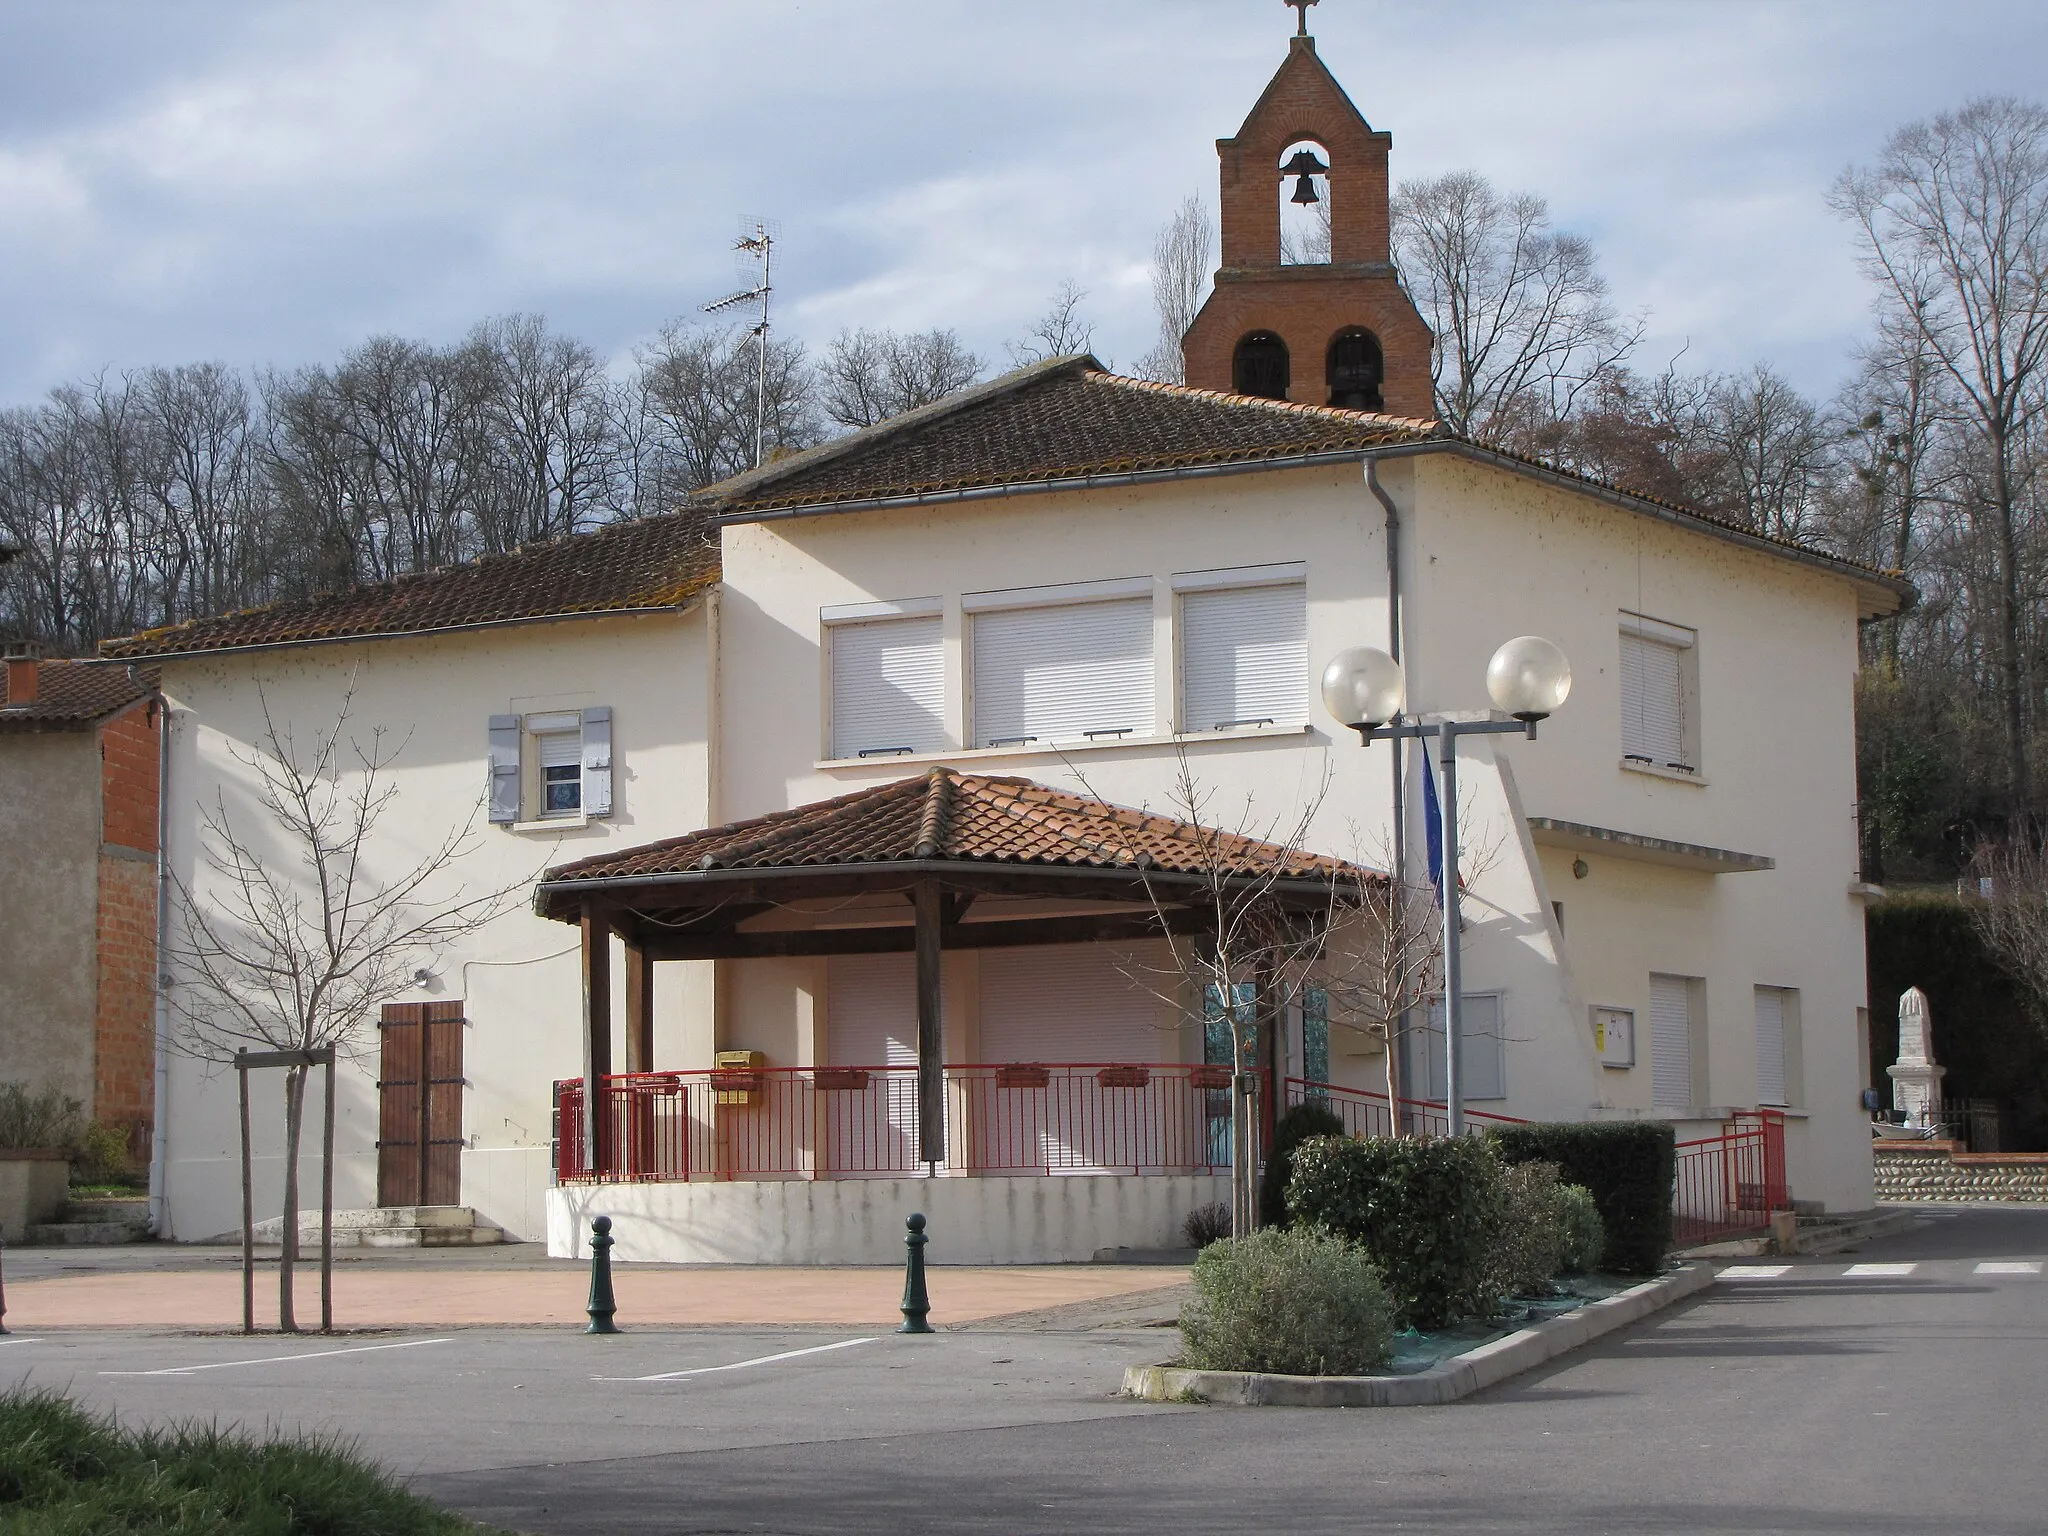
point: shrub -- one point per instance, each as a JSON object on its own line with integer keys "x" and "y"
{"x": 1311, "y": 1117}
{"x": 1426, "y": 1210}
{"x": 1286, "y": 1300}
{"x": 65, "y": 1470}
{"x": 46, "y": 1119}
{"x": 1530, "y": 1249}
{"x": 1206, "y": 1224}
{"x": 1582, "y": 1235}
{"x": 1628, "y": 1165}
{"x": 101, "y": 1155}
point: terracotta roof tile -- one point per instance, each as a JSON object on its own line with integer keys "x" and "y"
{"x": 944, "y": 814}
{"x": 72, "y": 695}
{"x": 652, "y": 562}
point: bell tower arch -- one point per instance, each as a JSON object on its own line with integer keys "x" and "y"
{"x": 1349, "y": 331}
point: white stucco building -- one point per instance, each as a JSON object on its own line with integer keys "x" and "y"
{"x": 1083, "y": 582}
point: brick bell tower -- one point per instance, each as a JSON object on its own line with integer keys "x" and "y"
{"x": 1337, "y": 332}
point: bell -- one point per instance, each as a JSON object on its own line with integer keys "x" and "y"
{"x": 1304, "y": 167}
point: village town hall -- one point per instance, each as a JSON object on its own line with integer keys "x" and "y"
{"x": 860, "y": 825}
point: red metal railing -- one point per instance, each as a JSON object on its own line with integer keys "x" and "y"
{"x": 861, "y": 1122}
{"x": 1729, "y": 1184}
{"x": 1365, "y": 1112}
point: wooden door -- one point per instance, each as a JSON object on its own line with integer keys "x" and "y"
{"x": 419, "y": 1118}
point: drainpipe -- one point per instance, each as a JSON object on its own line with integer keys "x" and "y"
{"x": 160, "y": 1115}
{"x": 1395, "y": 1085}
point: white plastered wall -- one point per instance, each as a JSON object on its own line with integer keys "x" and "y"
{"x": 519, "y": 977}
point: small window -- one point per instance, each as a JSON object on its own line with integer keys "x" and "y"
{"x": 1659, "y": 684}
{"x": 1075, "y": 671}
{"x": 560, "y": 755}
{"x": 1356, "y": 369}
{"x": 1673, "y": 1040}
{"x": 1260, "y": 367}
{"x": 888, "y": 686}
{"x": 1244, "y": 656}
{"x": 1777, "y": 1034}
{"x": 551, "y": 765}
{"x": 1482, "y": 1050}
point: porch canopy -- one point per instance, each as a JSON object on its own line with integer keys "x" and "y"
{"x": 944, "y": 860}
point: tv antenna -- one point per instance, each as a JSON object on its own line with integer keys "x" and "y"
{"x": 759, "y": 246}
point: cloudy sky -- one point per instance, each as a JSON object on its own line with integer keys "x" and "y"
{"x": 268, "y": 184}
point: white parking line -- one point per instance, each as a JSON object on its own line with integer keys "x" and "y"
{"x": 740, "y": 1365}
{"x": 1755, "y": 1271}
{"x": 15, "y": 1339}
{"x": 2010, "y": 1267}
{"x": 318, "y": 1354}
{"x": 1878, "y": 1271}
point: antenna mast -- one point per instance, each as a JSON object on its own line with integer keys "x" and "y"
{"x": 761, "y": 246}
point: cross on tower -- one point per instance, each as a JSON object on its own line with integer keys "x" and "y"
{"x": 1301, "y": 16}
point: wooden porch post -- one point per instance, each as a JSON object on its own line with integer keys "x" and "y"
{"x": 931, "y": 1065}
{"x": 639, "y": 1009}
{"x": 597, "y": 1040}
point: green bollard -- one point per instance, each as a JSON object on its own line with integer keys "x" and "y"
{"x": 917, "y": 1305}
{"x": 602, "y": 1303}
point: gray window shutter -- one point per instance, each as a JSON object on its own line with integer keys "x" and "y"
{"x": 504, "y": 769}
{"x": 597, "y": 761}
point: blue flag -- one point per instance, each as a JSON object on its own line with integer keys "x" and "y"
{"x": 1433, "y": 827}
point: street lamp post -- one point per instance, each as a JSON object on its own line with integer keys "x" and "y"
{"x": 1528, "y": 679}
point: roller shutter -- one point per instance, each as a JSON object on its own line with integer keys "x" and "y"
{"x": 888, "y": 687}
{"x": 1671, "y": 1042}
{"x": 1244, "y": 657}
{"x": 1060, "y": 673}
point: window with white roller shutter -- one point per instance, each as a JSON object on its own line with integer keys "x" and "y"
{"x": 888, "y": 686}
{"x": 1244, "y": 656}
{"x": 1671, "y": 1041}
{"x": 1772, "y": 1080}
{"x": 1074, "y": 1002}
{"x": 1658, "y": 682}
{"x": 1482, "y": 1049}
{"x": 1067, "y": 671}
{"x": 871, "y": 1021}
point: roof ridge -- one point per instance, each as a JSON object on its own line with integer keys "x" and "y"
{"x": 1260, "y": 402}
{"x": 752, "y": 481}
{"x": 934, "y": 824}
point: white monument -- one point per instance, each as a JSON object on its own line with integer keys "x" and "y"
{"x": 1916, "y": 1080}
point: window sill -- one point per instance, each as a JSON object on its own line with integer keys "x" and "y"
{"x": 1061, "y": 748}
{"x": 574, "y": 823}
{"x": 1659, "y": 771}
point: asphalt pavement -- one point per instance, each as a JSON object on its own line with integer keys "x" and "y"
{"x": 1899, "y": 1388}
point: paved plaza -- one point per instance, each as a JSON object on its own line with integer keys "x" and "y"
{"x": 1895, "y": 1389}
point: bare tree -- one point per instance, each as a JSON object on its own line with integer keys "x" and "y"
{"x": 1954, "y": 221}
{"x": 868, "y": 376}
{"x": 694, "y": 393}
{"x": 1060, "y": 332}
{"x": 1521, "y": 315}
{"x": 547, "y": 411}
{"x": 1181, "y": 256}
{"x": 2011, "y": 915}
{"x": 297, "y": 934}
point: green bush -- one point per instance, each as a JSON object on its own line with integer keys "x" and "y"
{"x": 1296, "y": 1302}
{"x": 46, "y": 1119}
{"x": 1426, "y": 1210}
{"x": 1628, "y": 1165}
{"x": 1530, "y": 1249}
{"x": 100, "y": 1155}
{"x": 1311, "y": 1117}
{"x": 1582, "y": 1235}
{"x": 66, "y": 1472}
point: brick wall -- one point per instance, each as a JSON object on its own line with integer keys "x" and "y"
{"x": 1940, "y": 1170}
{"x": 125, "y": 1013}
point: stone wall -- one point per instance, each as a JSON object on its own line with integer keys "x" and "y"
{"x": 1941, "y": 1170}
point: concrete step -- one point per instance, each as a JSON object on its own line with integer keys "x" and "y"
{"x": 390, "y": 1226}
{"x": 1831, "y": 1234}
{"x": 74, "y": 1234}
{"x": 97, "y": 1208}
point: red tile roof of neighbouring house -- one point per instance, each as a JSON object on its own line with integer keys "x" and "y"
{"x": 626, "y": 567}
{"x": 947, "y": 816}
{"x": 74, "y": 695}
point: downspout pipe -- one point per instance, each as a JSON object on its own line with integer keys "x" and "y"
{"x": 160, "y": 1106}
{"x": 1400, "y": 774}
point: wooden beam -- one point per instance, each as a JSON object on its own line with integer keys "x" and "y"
{"x": 639, "y": 1008}
{"x": 1090, "y": 928}
{"x": 597, "y": 1038}
{"x": 931, "y": 1043}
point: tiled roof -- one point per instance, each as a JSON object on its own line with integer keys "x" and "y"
{"x": 950, "y": 816}
{"x": 71, "y": 695}
{"x": 652, "y": 562}
{"x": 1058, "y": 420}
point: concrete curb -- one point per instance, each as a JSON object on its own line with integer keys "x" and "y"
{"x": 1473, "y": 1371}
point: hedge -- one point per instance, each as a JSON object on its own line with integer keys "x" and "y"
{"x": 1426, "y": 1210}
{"x": 1311, "y": 1117}
{"x": 1629, "y": 1165}
{"x": 1297, "y": 1302}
